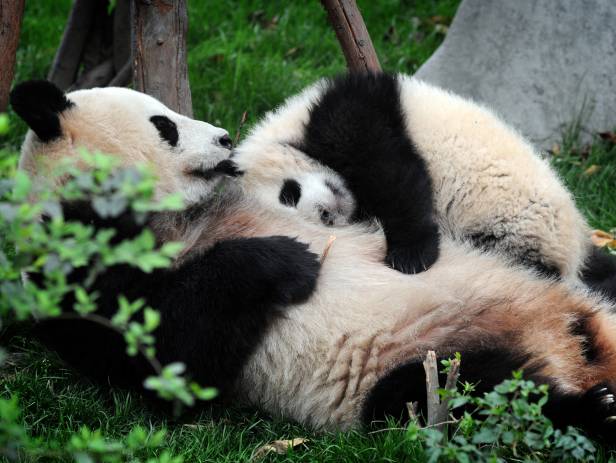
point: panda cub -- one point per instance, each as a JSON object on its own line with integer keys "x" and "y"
{"x": 400, "y": 146}
{"x": 367, "y": 167}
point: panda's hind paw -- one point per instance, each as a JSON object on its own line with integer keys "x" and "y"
{"x": 602, "y": 401}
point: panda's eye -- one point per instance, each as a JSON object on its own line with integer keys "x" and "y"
{"x": 167, "y": 129}
{"x": 290, "y": 193}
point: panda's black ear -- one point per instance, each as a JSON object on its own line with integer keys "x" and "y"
{"x": 39, "y": 103}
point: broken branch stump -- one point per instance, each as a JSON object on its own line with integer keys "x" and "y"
{"x": 438, "y": 411}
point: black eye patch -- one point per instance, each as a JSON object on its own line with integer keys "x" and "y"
{"x": 290, "y": 193}
{"x": 167, "y": 129}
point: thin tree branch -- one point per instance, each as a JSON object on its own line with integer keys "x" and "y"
{"x": 104, "y": 322}
{"x": 450, "y": 385}
{"x": 66, "y": 62}
{"x": 352, "y": 34}
{"x": 124, "y": 76}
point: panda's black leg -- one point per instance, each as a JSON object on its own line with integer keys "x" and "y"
{"x": 600, "y": 273}
{"x": 485, "y": 368}
{"x": 524, "y": 255}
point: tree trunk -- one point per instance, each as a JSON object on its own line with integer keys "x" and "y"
{"x": 352, "y": 35}
{"x": 159, "y": 29}
{"x": 66, "y": 62}
{"x": 11, "y": 12}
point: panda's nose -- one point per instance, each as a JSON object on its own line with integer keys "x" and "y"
{"x": 225, "y": 141}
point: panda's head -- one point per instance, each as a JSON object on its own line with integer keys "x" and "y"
{"x": 283, "y": 176}
{"x": 127, "y": 124}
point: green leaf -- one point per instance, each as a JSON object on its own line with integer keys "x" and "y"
{"x": 151, "y": 319}
{"x": 207, "y": 393}
{"x": 22, "y": 186}
{"x": 171, "y": 249}
{"x": 4, "y": 124}
{"x": 485, "y": 436}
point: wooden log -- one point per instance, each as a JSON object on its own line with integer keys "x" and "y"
{"x": 11, "y": 12}
{"x": 158, "y": 38}
{"x": 66, "y": 62}
{"x": 352, "y": 34}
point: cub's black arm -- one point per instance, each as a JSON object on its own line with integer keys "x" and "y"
{"x": 358, "y": 129}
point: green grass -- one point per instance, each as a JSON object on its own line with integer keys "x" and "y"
{"x": 240, "y": 59}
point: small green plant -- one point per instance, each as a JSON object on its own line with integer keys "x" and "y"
{"x": 52, "y": 249}
{"x": 506, "y": 423}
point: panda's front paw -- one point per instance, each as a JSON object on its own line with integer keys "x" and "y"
{"x": 228, "y": 167}
{"x": 412, "y": 259}
{"x": 292, "y": 270}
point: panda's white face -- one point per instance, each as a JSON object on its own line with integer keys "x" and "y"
{"x": 319, "y": 196}
{"x": 283, "y": 176}
{"x": 137, "y": 129}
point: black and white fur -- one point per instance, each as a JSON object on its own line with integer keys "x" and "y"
{"x": 352, "y": 351}
{"x": 488, "y": 185}
{"x": 357, "y": 129}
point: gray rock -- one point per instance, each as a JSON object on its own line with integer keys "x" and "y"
{"x": 543, "y": 65}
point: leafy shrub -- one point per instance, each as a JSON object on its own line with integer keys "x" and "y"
{"x": 53, "y": 248}
{"x": 504, "y": 424}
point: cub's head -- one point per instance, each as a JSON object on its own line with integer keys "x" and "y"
{"x": 283, "y": 176}
{"x": 127, "y": 124}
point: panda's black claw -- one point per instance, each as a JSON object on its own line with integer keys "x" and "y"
{"x": 600, "y": 406}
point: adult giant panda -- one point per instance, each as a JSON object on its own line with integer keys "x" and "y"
{"x": 352, "y": 352}
{"x": 490, "y": 186}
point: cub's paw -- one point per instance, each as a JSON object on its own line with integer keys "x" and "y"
{"x": 228, "y": 167}
{"x": 291, "y": 270}
{"x": 412, "y": 259}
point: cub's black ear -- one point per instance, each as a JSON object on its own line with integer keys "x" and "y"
{"x": 38, "y": 103}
